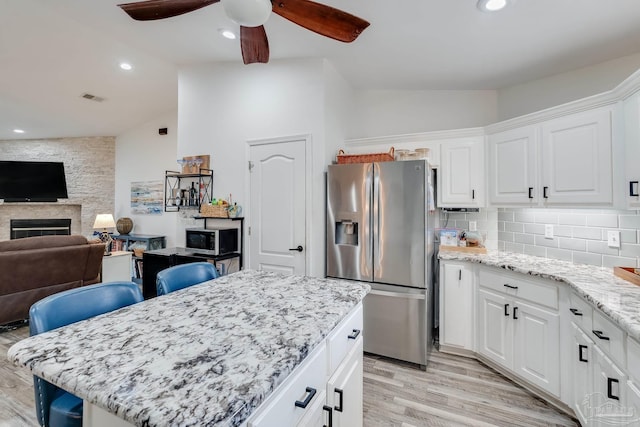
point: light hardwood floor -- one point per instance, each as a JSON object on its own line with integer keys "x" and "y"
{"x": 454, "y": 391}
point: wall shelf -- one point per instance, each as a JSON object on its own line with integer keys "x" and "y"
{"x": 174, "y": 187}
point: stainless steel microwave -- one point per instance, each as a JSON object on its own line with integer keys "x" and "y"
{"x": 214, "y": 241}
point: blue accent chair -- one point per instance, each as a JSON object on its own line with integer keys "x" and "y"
{"x": 184, "y": 275}
{"x": 54, "y": 406}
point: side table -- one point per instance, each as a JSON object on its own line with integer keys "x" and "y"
{"x": 116, "y": 267}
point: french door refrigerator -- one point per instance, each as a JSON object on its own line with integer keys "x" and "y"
{"x": 379, "y": 230}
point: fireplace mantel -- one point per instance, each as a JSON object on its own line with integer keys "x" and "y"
{"x": 32, "y": 210}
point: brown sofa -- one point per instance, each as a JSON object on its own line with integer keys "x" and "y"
{"x": 35, "y": 267}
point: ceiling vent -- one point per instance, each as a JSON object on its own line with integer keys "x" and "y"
{"x": 92, "y": 97}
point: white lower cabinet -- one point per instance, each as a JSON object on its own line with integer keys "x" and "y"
{"x": 326, "y": 389}
{"x": 608, "y": 399}
{"x": 456, "y": 302}
{"x": 344, "y": 390}
{"x": 582, "y": 373}
{"x": 495, "y": 330}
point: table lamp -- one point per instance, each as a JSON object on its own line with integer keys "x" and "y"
{"x": 104, "y": 221}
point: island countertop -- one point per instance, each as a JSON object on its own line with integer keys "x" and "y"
{"x": 206, "y": 355}
{"x": 615, "y": 297}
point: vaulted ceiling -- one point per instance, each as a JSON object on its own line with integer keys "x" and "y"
{"x": 54, "y": 51}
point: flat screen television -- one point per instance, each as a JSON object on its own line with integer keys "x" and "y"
{"x": 32, "y": 181}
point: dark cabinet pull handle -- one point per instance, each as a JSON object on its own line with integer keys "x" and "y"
{"x": 600, "y": 335}
{"x": 459, "y": 274}
{"x": 531, "y": 192}
{"x": 299, "y": 249}
{"x": 515, "y": 313}
{"x": 310, "y": 393}
{"x": 544, "y": 192}
{"x": 610, "y": 394}
{"x": 510, "y": 286}
{"x": 580, "y": 348}
{"x": 633, "y": 189}
{"x": 354, "y": 334}
{"x": 329, "y": 410}
{"x": 575, "y": 311}
{"x": 506, "y": 310}
{"x": 341, "y": 393}
{"x": 473, "y": 194}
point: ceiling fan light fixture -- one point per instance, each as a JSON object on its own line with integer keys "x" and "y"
{"x": 491, "y": 5}
{"x": 248, "y": 13}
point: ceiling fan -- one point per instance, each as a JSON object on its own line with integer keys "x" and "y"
{"x": 251, "y": 14}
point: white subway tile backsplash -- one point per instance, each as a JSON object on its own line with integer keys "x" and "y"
{"x": 630, "y": 221}
{"x": 515, "y": 227}
{"x": 543, "y": 241}
{"x": 546, "y": 218}
{"x": 561, "y": 254}
{"x": 587, "y": 258}
{"x": 535, "y": 250}
{"x": 580, "y": 235}
{"x": 587, "y": 233}
{"x": 529, "y": 239}
{"x": 572, "y": 219}
{"x": 533, "y": 228}
{"x": 604, "y": 220}
{"x": 573, "y": 244}
{"x": 600, "y": 247}
{"x": 613, "y": 261}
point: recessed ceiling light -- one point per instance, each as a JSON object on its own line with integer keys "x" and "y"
{"x": 227, "y": 34}
{"x": 18, "y": 131}
{"x": 125, "y": 66}
{"x": 491, "y": 5}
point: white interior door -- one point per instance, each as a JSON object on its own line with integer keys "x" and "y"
{"x": 277, "y": 214}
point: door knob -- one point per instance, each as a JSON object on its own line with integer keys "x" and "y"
{"x": 299, "y": 249}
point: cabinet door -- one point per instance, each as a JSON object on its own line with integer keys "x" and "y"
{"x": 576, "y": 159}
{"x": 632, "y": 150}
{"x": 344, "y": 390}
{"x": 632, "y": 406}
{"x": 316, "y": 414}
{"x": 494, "y": 327}
{"x": 582, "y": 372}
{"x": 537, "y": 346}
{"x": 609, "y": 385}
{"x": 513, "y": 167}
{"x": 456, "y": 308}
{"x": 461, "y": 179}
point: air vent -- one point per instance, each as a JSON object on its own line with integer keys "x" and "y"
{"x": 92, "y": 97}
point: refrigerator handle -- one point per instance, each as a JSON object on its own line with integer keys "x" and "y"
{"x": 376, "y": 217}
{"x": 369, "y": 186}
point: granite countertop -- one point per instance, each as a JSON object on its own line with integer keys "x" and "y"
{"x": 615, "y": 297}
{"x": 206, "y": 355}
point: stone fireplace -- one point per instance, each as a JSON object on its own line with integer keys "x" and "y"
{"x": 10, "y": 212}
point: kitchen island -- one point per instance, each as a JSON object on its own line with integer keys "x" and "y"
{"x": 208, "y": 355}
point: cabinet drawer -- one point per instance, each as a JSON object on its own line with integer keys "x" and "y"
{"x": 581, "y": 313}
{"x": 611, "y": 339}
{"x": 342, "y": 340}
{"x": 536, "y": 291}
{"x": 281, "y": 410}
{"x": 633, "y": 359}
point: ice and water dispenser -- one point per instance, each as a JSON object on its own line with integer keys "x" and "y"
{"x": 347, "y": 232}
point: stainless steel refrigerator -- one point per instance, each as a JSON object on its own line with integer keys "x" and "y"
{"x": 379, "y": 230}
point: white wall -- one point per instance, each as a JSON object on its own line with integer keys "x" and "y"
{"x": 222, "y": 106}
{"x": 559, "y": 89}
{"x": 399, "y": 112}
{"x": 144, "y": 155}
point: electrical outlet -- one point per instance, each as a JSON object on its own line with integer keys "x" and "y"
{"x": 548, "y": 231}
{"x": 473, "y": 226}
{"x": 613, "y": 239}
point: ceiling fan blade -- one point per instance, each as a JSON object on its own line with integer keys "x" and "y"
{"x": 321, "y": 19}
{"x": 254, "y": 43}
{"x": 159, "y": 9}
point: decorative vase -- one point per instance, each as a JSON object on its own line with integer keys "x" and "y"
{"x": 124, "y": 225}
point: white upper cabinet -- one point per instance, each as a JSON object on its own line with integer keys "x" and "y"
{"x": 461, "y": 177}
{"x": 632, "y": 150}
{"x": 560, "y": 162}
{"x": 513, "y": 163}
{"x": 576, "y": 159}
